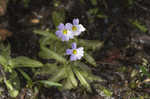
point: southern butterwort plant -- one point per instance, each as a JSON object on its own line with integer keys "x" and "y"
{"x": 57, "y": 45}
{"x": 68, "y": 31}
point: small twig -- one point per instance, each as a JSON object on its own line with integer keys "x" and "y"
{"x": 142, "y": 7}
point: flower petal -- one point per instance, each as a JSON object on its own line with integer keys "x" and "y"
{"x": 68, "y": 26}
{"x": 80, "y": 48}
{"x": 73, "y": 57}
{"x": 81, "y": 28}
{"x": 75, "y": 21}
{"x": 65, "y": 38}
{"x": 61, "y": 26}
{"x": 74, "y": 45}
{"x": 80, "y": 52}
{"x": 59, "y": 33}
{"x": 79, "y": 57}
{"x": 68, "y": 51}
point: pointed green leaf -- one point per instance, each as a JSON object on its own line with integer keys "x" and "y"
{"x": 72, "y": 78}
{"x": 47, "y": 69}
{"x": 3, "y": 61}
{"x": 70, "y": 81}
{"x": 90, "y": 77}
{"x": 53, "y": 44}
{"x": 144, "y": 71}
{"x": 87, "y": 73}
{"x": 59, "y": 75}
{"x": 44, "y": 41}
{"x": 14, "y": 79}
{"x": 54, "y": 37}
{"x": 42, "y": 32}
{"x": 107, "y": 92}
{"x": 89, "y": 59}
{"x": 99, "y": 88}
{"x": 13, "y": 93}
{"x": 138, "y": 25}
{"x": 50, "y": 83}
{"x": 82, "y": 66}
{"x": 90, "y": 44}
{"x": 23, "y": 61}
{"x": 67, "y": 85}
{"x": 47, "y": 34}
{"x": 49, "y": 54}
{"x": 82, "y": 80}
{"x": 25, "y": 75}
{"x": 8, "y": 85}
{"x": 5, "y": 50}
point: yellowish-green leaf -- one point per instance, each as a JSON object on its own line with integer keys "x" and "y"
{"x": 72, "y": 78}
{"x": 90, "y": 44}
{"x": 44, "y": 41}
{"x": 13, "y": 93}
{"x": 14, "y": 79}
{"x": 49, "y": 54}
{"x": 99, "y": 88}
{"x": 8, "y": 85}
{"x": 25, "y": 75}
{"x": 89, "y": 59}
{"x": 82, "y": 80}
{"x": 3, "y": 61}
{"x": 107, "y": 92}
{"x": 5, "y": 50}
{"x": 42, "y": 32}
{"x": 47, "y": 69}
{"x": 82, "y": 66}
{"x": 137, "y": 24}
{"x": 90, "y": 77}
{"x": 23, "y": 61}
{"x": 67, "y": 84}
{"x": 50, "y": 83}
{"x": 70, "y": 82}
{"x": 61, "y": 74}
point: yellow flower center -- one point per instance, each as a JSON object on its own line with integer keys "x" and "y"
{"x": 74, "y": 52}
{"x": 74, "y": 28}
{"x": 65, "y": 31}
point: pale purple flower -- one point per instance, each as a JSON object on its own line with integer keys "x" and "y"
{"x": 76, "y": 53}
{"x": 76, "y": 28}
{"x": 63, "y": 32}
